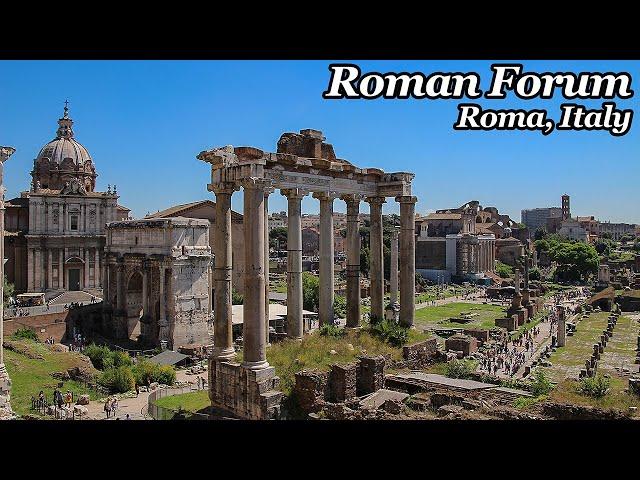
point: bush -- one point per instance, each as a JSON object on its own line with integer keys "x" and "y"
{"x": 104, "y": 358}
{"x": 503, "y": 270}
{"x": 339, "y": 306}
{"x": 117, "y": 380}
{"x": 391, "y": 332}
{"x": 332, "y": 331}
{"x": 460, "y": 368}
{"x": 596, "y": 387}
{"x": 166, "y": 375}
{"x": 540, "y": 385}
{"x": 25, "y": 334}
{"x": 146, "y": 373}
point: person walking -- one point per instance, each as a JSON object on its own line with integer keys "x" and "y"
{"x": 107, "y": 408}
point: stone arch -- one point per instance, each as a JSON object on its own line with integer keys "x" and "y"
{"x": 133, "y": 302}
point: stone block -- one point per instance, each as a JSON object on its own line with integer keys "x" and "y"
{"x": 420, "y": 352}
{"x": 479, "y": 334}
{"x": 370, "y": 375}
{"x": 342, "y": 382}
{"x": 311, "y": 390}
{"x": 463, "y": 343}
{"x": 83, "y": 399}
{"x": 510, "y": 323}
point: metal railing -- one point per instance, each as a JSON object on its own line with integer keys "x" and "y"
{"x": 163, "y": 413}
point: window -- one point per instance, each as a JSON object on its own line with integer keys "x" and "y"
{"x": 74, "y": 222}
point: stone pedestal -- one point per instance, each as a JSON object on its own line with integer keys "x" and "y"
{"x": 521, "y": 313}
{"x": 562, "y": 328}
{"x": 244, "y": 393}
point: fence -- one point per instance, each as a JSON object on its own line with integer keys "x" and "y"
{"x": 163, "y": 413}
{"x": 46, "y": 407}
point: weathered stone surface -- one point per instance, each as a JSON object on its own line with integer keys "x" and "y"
{"x": 342, "y": 382}
{"x": 83, "y": 400}
{"x": 377, "y": 399}
{"x": 310, "y": 390}
{"x": 461, "y": 343}
{"x": 370, "y": 374}
{"x": 510, "y": 322}
{"x": 421, "y": 352}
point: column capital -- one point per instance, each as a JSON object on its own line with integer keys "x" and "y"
{"x": 268, "y": 191}
{"x": 375, "y": 200}
{"x": 329, "y": 196}
{"x": 294, "y": 193}
{"x": 225, "y": 188}
{"x": 255, "y": 183}
{"x": 352, "y": 198}
{"x": 406, "y": 199}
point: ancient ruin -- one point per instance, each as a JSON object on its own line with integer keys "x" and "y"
{"x": 156, "y": 281}
{"x": 302, "y": 164}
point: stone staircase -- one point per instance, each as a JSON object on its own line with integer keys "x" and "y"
{"x": 72, "y": 297}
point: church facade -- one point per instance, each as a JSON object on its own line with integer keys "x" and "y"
{"x": 55, "y": 232}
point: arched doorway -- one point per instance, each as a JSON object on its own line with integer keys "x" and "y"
{"x": 133, "y": 296}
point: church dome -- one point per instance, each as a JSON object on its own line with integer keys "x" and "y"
{"x": 63, "y": 160}
{"x": 60, "y": 149}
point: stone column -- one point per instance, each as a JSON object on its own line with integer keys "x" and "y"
{"x": 267, "y": 192}
{"x": 393, "y": 268}
{"x": 407, "y": 259}
{"x": 326, "y": 315}
{"x": 253, "y": 333}
{"x": 163, "y": 324}
{"x": 38, "y": 272}
{"x": 120, "y": 305}
{"x": 49, "y": 269}
{"x": 376, "y": 273}
{"x": 353, "y": 260}
{"x": 295, "y": 324}
{"x": 5, "y": 383}
{"x": 86, "y": 268}
{"x": 30, "y": 277}
{"x": 222, "y": 251}
{"x": 96, "y": 269}
{"x": 60, "y": 267}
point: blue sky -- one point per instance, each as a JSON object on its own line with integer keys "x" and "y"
{"x": 144, "y": 122}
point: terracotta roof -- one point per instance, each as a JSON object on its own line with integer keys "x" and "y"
{"x": 123, "y": 208}
{"x": 176, "y": 209}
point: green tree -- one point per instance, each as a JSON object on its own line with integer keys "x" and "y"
{"x": 310, "y": 292}
{"x": 365, "y": 260}
{"x": 606, "y": 235}
{"x": 236, "y": 297}
{"x": 503, "y": 270}
{"x": 278, "y": 238}
{"x": 576, "y": 261}
{"x": 540, "y": 233}
{"x": 603, "y": 247}
{"x": 534, "y": 274}
{"x": 340, "y": 306}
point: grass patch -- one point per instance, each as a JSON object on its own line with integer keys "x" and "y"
{"x": 438, "y": 316}
{"x": 568, "y": 391}
{"x": 30, "y": 375}
{"x": 313, "y": 353}
{"x": 191, "y": 401}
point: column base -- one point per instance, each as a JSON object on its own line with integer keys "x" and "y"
{"x": 255, "y": 365}
{"x": 244, "y": 393}
{"x": 224, "y": 354}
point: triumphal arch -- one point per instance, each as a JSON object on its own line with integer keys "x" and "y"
{"x": 303, "y": 164}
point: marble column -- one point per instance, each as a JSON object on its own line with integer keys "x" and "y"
{"x": 353, "y": 260}
{"x": 222, "y": 251}
{"x": 326, "y": 315}
{"x": 376, "y": 272}
{"x": 562, "y": 328}
{"x": 30, "y": 277}
{"x": 393, "y": 268}
{"x": 163, "y": 324}
{"x": 267, "y": 192}
{"x": 49, "y": 269}
{"x": 407, "y": 259}
{"x": 253, "y": 331}
{"x": 295, "y": 324}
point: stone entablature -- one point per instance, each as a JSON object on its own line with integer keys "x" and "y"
{"x": 157, "y": 286}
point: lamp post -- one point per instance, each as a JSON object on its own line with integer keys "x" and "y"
{"x": 5, "y": 382}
